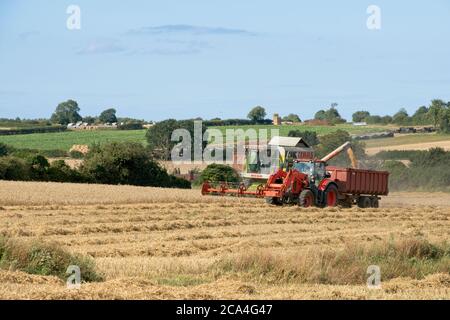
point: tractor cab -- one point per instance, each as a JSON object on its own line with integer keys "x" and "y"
{"x": 314, "y": 169}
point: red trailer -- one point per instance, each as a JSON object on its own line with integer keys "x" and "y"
{"x": 359, "y": 186}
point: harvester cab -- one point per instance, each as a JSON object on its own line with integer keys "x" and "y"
{"x": 279, "y": 153}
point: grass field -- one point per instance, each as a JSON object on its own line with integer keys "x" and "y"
{"x": 152, "y": 243}
{"x": 65, "y": 140}
{"x": 321, "y": 130}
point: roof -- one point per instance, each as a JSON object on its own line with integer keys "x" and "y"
{"x": 288, "y": 142}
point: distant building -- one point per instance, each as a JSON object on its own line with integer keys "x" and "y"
{"x": 360, "y": 123}
{"x": 276, "y": 119}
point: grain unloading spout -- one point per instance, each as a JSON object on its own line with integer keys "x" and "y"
{"x": 352, "y": 157}
{"x": 345, "y": 147}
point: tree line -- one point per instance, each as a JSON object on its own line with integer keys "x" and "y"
{"x": 436, "y": 114}
{"x": 69, "y": 112}
{"x": 111, "y": 163}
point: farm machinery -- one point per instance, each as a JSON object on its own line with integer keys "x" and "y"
{"x": 311, "y": 182}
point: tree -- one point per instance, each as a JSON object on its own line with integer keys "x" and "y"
{"x": 373, "y": 120}
{"x": 435, "y": 111}
{"x": 320, "y": 115}
{"x": 386, "y": 119}
{"x": 444, "y": 125}
{"x": 12, "y": 168}
{"x": 331, "y": 115}
{"x": 292, "y": 117}
{"x": 401, "y": 117}
{"x": 420, "y": 116}
{"x": 90, "y": 119}
{"x": 108, "y": 116}
{"x": 3, "y": 149}
{"x": 126, "y": 163}
{"x": 433, "y": 157}
{"x": 59, "y": 171}
{"x": 38, "y": 167}
{"x": 258, "y": 113}
{"x": 159, "y": 137}
{"x": 219, "y": 172}
{"x": 66, "y": 112}
{"x": 309, "y": 136}
{"x": 360, "y": 116}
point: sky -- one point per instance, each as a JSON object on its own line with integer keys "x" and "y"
{"x": 155, "y": 60}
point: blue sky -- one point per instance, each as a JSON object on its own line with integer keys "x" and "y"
{"x": 184, "y": 59}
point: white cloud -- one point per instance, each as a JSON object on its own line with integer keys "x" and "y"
{"x": 101, "y": 46}
{"x": 188, "y": 29}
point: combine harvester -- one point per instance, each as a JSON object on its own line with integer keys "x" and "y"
{"x": 310, "y": 182}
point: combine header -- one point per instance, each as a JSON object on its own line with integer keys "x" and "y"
{"x": 310, "y": 182}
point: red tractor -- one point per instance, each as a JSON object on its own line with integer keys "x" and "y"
{"x": 306, "y": 183}
{"x": 313, "y": 183}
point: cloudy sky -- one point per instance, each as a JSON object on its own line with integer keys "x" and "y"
{"x": 183, "y": 59}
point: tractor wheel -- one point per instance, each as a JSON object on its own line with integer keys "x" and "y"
{"x": 306, "y": 199}
{"x": 374, "y": 202}
{"x": 274, "y": 201}
{"x": 331, "y": 196}
{"x": 364, "y": 202}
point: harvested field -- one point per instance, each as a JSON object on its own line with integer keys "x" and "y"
{"x": 152, "y": 243}
{"x": 413, "y": 146}
{"x": 408, "y": 142}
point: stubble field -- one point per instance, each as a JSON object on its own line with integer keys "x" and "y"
{"x": 152, "y": 243}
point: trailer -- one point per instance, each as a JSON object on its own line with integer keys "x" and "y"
{"x": 359, "y": 186}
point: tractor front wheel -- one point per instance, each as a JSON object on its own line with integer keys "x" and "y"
{"x": 331, "y": 196}
{"x": 306, "y": 199}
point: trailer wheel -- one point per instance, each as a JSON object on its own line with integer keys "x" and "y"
{"x": 364, "y": 202}
{"x": 374, "y": 202}
{"x": 306, "y": 199}
{"x": 273, "y": 201}
{"x": 331, "y": 196}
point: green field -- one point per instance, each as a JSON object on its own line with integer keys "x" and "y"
{"x": 321, "y": 130}
{"x": 65, "y": 140}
